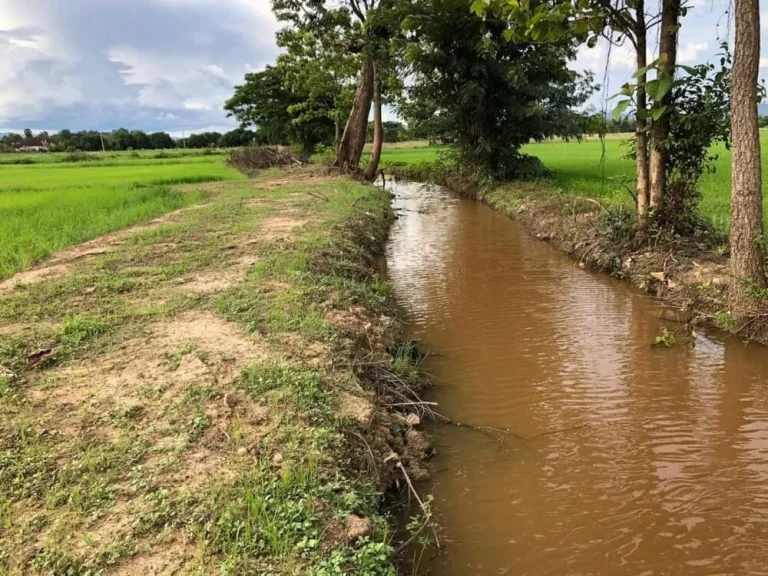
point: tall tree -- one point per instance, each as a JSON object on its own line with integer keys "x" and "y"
{"x": 747, "y": 257}
{"x": 378, "y": 129}
{"x": 662, "y": 106}
{"x": 268, "y": 100}
{"x": 640, "y": 37}
{"x": 615, "y": 21}
{"x": 319, "y": 63}
{"x": 352, "y": 142}
{"x": 491, "y": 95}
{"x": 307, "y": 16}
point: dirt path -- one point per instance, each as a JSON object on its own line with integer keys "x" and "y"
{"x": 157, "y": 379}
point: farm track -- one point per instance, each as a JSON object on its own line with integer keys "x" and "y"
{"x": 163, "y": 383}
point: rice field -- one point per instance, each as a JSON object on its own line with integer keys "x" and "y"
{"x": 577, "y": 168}
{"x": 48, "y": 205}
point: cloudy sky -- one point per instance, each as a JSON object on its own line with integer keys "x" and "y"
{"x": 170, "y": 64}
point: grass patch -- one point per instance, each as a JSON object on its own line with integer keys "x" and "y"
{"x": 47, "y": 206}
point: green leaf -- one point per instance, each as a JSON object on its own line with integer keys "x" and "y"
{"x": 657, "y": 113}
{"x": 628, "y": 89}
{"x": 689, "y": 69}
{"x": 646, "y": 69}
{"x": 479, "y": 7}
{"x": 620, "y": 108}
{"x": 665, "y": 85}
{"x": 641, "y": 71}
{"x": 651, "y": 88}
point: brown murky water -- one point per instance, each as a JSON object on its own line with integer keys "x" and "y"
{"x": 664, "y": 468}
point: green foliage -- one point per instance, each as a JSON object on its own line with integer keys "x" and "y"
{"x": 305, "y": 387}
{"x": 488, "y": 95}
{"x": 370, "y": 558}
{"x": 665, "y": 338}
{"x": 79, "y": 328}
{"x": 700, "y": 119}
{"x": 282, "y": 113}
{"x": 725, "y": 321}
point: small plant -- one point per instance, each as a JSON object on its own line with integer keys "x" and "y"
{"x": 79, "y": 328}
{"x": 199, "y": 424}
{"x": 725, "y": 321}
{"x": 305, "y": 386}
{"x": 6, "y": 388}
{"x": 174, "y": 358}
{"x": 666, "y": 339}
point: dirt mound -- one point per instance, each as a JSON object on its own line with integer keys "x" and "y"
{"x": 253, "y": 158}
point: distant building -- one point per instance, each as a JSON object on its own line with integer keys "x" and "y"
{"x": 34, "y": 145}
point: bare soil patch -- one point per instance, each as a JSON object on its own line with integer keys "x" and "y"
{"x": 213, "y": 281}
{"x": 281, "y": 227}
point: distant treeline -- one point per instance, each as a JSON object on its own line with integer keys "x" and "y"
{"x": 625, "y": 125}
{"x": 123, "y": 139}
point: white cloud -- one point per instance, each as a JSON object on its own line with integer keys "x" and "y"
{"x": 690, "y": 51}
{"x": 151, "y": 64}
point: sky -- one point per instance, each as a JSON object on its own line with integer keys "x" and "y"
{"x": 170, "y": 64}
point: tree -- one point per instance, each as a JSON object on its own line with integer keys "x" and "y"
{"x": 354, "y": 33}
{"x": 319, "y": 63}
{"x": 27, "y": 133}
{"x": 237, "y": 137}
{"x": 161, "y": 141}
{"x": 747, "y": 257}
{"x": 139, "y": 140}
{"x": 491, "y": 95}
{"x": 203, "y": 140}
{"x": 267, "y": 101}
{"x": 378, "y": 129}
{"x": 615, "y": 21}
{"x": 121, "y": 139}
{"x": 662, "y": 107}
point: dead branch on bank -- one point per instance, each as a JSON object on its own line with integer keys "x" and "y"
{"x": 403, "y": 395}
{"x": 252, "y": 158}
{"x": 424, "y": 509}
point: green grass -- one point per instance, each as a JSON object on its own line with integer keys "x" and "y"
{"x": 415, "y": 155}
{"x": 577, "y": 169}
{"x": 112, "y": 157}
{"x": 48, "y": 206}
{"x": 46, "y": 176}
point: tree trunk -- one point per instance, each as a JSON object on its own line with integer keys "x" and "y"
{"x": 641, "y": 133}
{"x": 336, "y": 134}
{"x": 660, "y": 127}
{"x": 353, "y": 140}
{"x": 378, "y": 131}
{"x": 747, "y": 258}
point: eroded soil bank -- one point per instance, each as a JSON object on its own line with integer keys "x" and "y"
{"x": 592, "y": 452}
{"x": 199, "y": 394}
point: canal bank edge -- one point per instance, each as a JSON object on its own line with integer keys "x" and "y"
{"x": 689, "y": 277}
{"x": 297, "y": 486}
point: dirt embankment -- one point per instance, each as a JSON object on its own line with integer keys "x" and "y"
{"x": 204, "y": 394}
{"x": 691, "y": 275}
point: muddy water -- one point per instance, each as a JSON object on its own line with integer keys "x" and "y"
{"x": 629, "y": 460}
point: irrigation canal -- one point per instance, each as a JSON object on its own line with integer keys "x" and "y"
{"x": 624, "y": 458}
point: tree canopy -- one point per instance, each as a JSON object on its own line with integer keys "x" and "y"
{"x": 488, "y": 95}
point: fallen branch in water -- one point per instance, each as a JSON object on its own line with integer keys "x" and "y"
{"x": 504, "y": 431}
{"x": 482, "y": 429}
